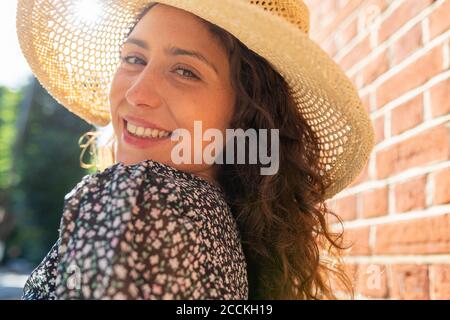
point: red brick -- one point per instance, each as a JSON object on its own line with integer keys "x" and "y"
{"x": 400, "y": 16}
{"x": 410, "y": 195}
{"x": 440, "y": 281}
{"x": 440, "y": 98}
{"x": 345, "y": 208}
{"x": 372, "y": 281}
{"x": 426, "y": 147}
{"x": 375, "y": 68}
{"x": 351, "y": 270}
{"x": 344, "y": 36}
{"x": 362, "y": 177}
{"x": 330, "y": 48}
{"x": 410, "y": 282}
{"x": 407, "y": 44}
{"x": 412, "y": 76}
{"x": 359, "y": 52}
{"x": 441, "y": 186}
{"x": 407, "y": 115}
{"x": 378, "y": 125}
{"x": 369, "y": 12}
{"x": 355, "y": 79}
{"x": 439, "y": 19}
{"x": 374, "y": 203}
{"x": 319, "y": 32}
{"x": 430, "y": 235}
{"x": 358, "y": 238}
{"x": 366, "y": 102}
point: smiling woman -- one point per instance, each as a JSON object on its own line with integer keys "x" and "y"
{"x": 167, "y": 86}
{"x": 147, "y": 227}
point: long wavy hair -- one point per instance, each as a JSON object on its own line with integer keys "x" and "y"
{"x": 289, "y": 249}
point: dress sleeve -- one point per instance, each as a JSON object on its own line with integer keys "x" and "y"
{"x": 163, "y": 256}
{"x": 160, "y": 253}
{"x": 40, "y": 285}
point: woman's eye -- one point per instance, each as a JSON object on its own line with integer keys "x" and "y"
{"x": 186, "y": 73}
{"x": 132, "y": 60}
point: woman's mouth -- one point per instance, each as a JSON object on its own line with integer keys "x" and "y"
{"x": 141, "y": 137}
{"x": 145, "y": 133}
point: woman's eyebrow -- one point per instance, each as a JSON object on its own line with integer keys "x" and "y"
{"x": 174, "y": 51}
{"x": 139, "y": 43}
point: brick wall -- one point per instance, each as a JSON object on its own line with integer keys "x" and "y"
{"x": 397, "y": 212}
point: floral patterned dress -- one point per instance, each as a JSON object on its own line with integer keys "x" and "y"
{"x": 143, "y": 231}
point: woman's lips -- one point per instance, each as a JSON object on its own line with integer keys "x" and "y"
{"x": 140, "y": 142}
{"x": 142, "y": 123}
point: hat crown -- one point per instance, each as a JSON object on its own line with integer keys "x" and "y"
{"x": 293, "y": 11}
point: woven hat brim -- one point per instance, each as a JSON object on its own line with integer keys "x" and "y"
{"x": 327, "y": 99}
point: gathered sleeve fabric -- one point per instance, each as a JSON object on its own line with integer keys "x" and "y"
{"x": 144, "y": 232}
{"x": 40, "y": 285}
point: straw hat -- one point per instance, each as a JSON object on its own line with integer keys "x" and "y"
{"x": 73, "y": 49}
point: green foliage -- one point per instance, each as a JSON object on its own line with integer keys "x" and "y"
{"x": 46, "y": 168}
{"x": 9, "y": 101}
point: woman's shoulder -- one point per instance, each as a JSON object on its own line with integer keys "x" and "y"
{"x": 147, "y": 175}
{"x": 151, "y": 171}
{"x": 145, "y": 186}
{"x": 151, "y": 180}
{"x": 156, "y": 216}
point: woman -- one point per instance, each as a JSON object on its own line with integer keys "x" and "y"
{"x": 150, "y": 227}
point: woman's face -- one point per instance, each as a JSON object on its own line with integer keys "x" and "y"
{"x": 157, "y": 84}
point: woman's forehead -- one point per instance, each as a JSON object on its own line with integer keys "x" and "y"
{"x": 169, "y": 27}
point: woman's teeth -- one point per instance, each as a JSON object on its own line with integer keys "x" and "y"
{"x": 146, "y": 132}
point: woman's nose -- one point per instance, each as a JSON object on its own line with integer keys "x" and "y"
{"x": 145, "y": 89}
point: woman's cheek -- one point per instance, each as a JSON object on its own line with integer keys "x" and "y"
{"x": 114, "y": 91}
{"x": 120, "y": 86}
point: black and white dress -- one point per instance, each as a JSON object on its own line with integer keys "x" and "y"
{"x": 143, "y": 231}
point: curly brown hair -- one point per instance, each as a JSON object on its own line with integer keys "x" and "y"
{"x": 289, "y": 249}
{"x": 281, "y": 217}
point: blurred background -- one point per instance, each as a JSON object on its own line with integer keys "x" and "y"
{"x": 39, "y": 162}
{"x": 396, "y": 213}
